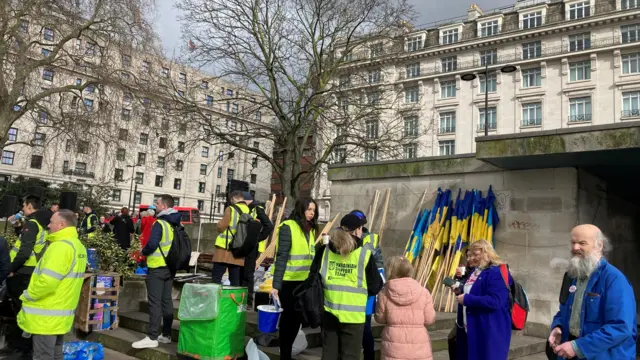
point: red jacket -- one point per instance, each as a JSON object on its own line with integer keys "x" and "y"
{"x": 145, "y": 229}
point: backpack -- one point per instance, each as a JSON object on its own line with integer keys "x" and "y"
{"x": 180, "y": 251}
{"x": 247, "y": 234}
{"x": 518, "y": 300}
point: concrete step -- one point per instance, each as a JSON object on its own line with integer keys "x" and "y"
{"x": 139, "y": 322}
{"x": 120, "y": 340}
{"x": 522, "y": 347}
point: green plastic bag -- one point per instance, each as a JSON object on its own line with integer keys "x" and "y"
{"x": 216, "y": 337}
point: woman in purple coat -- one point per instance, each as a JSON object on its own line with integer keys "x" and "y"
{"x": 484, "y": 319}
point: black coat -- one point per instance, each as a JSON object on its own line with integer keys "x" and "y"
{"x": 122, "y": 230}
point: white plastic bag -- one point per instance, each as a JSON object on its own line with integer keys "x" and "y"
{"x": 300, "y": 343}
{"x": 253, "y": 353}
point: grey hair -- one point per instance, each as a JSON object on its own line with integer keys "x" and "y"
{"x": 604, "y": 242}
{"x": 68, "y": 216}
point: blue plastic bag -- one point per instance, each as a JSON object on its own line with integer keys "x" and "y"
{"x": 83, "y": 350}
{"x": 141, "y": 271}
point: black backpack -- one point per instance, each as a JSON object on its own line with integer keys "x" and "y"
{"x": 247, "y": 234}
{"x": 180, "y": 252}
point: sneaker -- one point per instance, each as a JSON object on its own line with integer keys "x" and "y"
{"x": 164, "y": 339}
{"x": 145, "y": 343}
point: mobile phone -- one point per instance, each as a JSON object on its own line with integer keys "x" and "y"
{"x": 449, "y": 282}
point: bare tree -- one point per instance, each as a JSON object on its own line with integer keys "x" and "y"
{"x": 65, "y": 64}
{"x": 309, "y": 98}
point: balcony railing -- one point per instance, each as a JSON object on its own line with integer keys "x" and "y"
{"x": 446, "y": 130}
{"x": 630, "y": 113}
{"x": 492, "y": 125}
{"x": 78, "y": 173}
{"x": 532, "y": 122}
{"x": 580, "y": 118}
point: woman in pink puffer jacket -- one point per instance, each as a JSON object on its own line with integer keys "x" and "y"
{"x": 405, "y": 308}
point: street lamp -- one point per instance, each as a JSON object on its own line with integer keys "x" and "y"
{"x": 133, "y": 169}
{"x": 486, "y": 73}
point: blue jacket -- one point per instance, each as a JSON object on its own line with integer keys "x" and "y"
{"x": 173, "y": 217}
{"x": 488, "y": 334}
{"x": 608, "y": 318}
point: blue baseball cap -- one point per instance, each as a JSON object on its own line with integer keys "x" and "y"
{"x": 361, "y": 216}
{"x": 247, "y": 195}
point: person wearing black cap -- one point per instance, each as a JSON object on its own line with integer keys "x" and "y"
{"x": 257, "y": 212}
{"x": 368, "y": 341}
{"x": 343, "y": 262}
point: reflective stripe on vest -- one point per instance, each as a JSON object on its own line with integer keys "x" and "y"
{"x": 301, "y": 253}
{"x": 225, "y": 238}
{"x": 90, "y": 224}
{"x": 156, "y": 260}
{"x": 60, "y": 277}
{"x": 38, "y": 247}
{"x": 371, "y": 239}
{"x": 345, "y": 296}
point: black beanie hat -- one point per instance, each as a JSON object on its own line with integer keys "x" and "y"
{"x": 350, "y": 222}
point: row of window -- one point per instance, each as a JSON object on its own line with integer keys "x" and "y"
{"x": 409, "y": 151}
{"x": 116, "y": 195}
{"x": 530, "y": 50}
{"x": 529, "y": 20}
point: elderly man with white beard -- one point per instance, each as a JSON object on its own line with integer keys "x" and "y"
{"x": 597, "y": 317}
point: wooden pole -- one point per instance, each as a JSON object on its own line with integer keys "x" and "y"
{"x": 375, "y": 209}
{"x": 384, "y": 215}
{"x": 270, "y": 250}
{"x": 327, "y": 227}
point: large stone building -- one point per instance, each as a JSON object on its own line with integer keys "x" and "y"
{"x": 564, "y": 133}
{"x": 577, "y": 63}
{"x": 149, "y": 148}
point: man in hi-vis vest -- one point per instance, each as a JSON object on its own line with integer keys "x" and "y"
{"x": 223, "y": 258}
{"x": 49, "y": 303}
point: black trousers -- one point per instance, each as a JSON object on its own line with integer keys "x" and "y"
{"x": 340, "y": 341}
{"x": 235, "y": 276}
{"x": 247, "y": 273}
{"x": 451, "y": 339}
{"x": 159, "y": 285}
{"x": 368, "y": 342}
{"x": 290, "y": 320}
{"x": 16, "y": 285}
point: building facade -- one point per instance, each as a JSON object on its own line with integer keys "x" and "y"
{"x": 576, "y": 62}
{"x": 148, "y": 148}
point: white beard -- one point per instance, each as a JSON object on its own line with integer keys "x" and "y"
{"x": 582, "y": 267}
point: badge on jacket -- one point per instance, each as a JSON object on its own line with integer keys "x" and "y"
{"x": 572, "y": 289}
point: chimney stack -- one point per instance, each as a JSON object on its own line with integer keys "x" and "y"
{"x": 474, "y": 12}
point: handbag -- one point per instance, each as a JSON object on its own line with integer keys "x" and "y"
{"x": 309, "y": 296}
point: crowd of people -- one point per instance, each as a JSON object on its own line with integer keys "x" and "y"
{"x": 43, "y": 274}
{"x": 596, "y": 317}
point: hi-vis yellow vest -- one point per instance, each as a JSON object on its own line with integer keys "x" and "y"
{"x": 301, "y": 254}
{"x": 37, "y": 248}
{"x": 92, "y": 219}
{"x": 345, "y": 284}
{"x": 50, "y": 301}
{"x": 156, "y": 260}
{"x": 225, "y": 238}
{"x": 371, "y": 239}
{"x": 254, "y": 214}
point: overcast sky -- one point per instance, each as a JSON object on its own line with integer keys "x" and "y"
{"x": 428, "y": 11}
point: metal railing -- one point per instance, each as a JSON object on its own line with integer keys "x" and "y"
{"x": 532, "y": 122}
{"x": 78, "y": 173}
{"x": 492, "y": 125}
{"x": 630, "y": 113}
{"x": 580, "y": 118}
{"x": 446, "y": 130}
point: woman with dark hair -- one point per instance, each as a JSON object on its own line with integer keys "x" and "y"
{"x": 295, "y": 249}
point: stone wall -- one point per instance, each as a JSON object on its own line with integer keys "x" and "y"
{"x": 618, "y": 218}
{"x": 537, "y": 210}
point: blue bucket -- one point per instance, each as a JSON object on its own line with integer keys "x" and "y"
{"x": 268, "y": 317}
